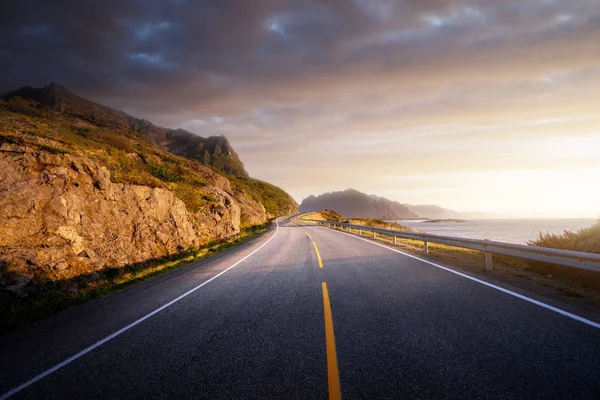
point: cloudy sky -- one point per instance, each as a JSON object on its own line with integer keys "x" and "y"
{"x": 489, "y": 105}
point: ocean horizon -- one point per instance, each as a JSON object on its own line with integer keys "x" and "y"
{"x": 513, "y": 230}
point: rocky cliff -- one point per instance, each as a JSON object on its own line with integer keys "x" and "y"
{"x": 77, "y": 195}
{"x": 62, "y": 216}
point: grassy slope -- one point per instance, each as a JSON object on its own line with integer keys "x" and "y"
{"x": 275, "y": 200}
{"x": 330, "y": 215}
{"x": 325, "y": 215}
{"x": 130, "y": 158}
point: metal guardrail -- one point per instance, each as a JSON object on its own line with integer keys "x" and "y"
{"x": 589, "y": 261}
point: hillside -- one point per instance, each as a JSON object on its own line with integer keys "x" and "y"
{"x": 352, "y": 203}
{"x": 84, "y": 187}
{"x": 214, "y": 151}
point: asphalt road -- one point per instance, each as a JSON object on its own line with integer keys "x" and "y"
{"x": 369, "y": 324}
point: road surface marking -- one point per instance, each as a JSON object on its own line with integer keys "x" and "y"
{"x": 126, "y": 328}
{"x": 490, "y": 285}
{"x": 333, "y": 376}
{"x": 307, "y": 234}
{"x": 318, "y": 256}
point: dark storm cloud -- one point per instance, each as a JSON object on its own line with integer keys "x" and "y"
{"x": 203, "y": 51}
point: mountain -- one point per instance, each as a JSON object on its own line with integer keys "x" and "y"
{"x": 433, "y": 212}
{"x": 352, "y": 203}
{"x": 85, "y": 187}
{"x": 214, "y": 151}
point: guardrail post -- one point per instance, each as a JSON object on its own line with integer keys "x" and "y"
{"x": 489, "y": 266}
{"x": 359, "y": 232}
{"x": 374, "y": 235}
{"x": 426, "y": 245}
{"x": 395, "y": 237}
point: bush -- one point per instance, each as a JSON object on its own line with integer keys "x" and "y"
{"x": 586, "y": 240}
{"x": 166, "y": 172}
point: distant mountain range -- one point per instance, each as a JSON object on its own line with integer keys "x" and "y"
{"x": 352, "y": 203}
{"x": 214, "y": 151}
{"x": 433, "y": 212}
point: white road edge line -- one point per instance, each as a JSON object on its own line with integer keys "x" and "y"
{"x": 520, "y": 296}
{"x": 126, "y": 328}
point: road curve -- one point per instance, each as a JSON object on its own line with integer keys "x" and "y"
{"x": 304, "y": 313}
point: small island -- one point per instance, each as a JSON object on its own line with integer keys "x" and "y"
{"x": 447, "y": 220}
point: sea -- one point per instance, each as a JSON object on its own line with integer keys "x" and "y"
{"x": 518, "y": 231}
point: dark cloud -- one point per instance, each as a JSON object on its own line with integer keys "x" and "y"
{"x": 200, "y": 50}
{"x": 159, "y": 57}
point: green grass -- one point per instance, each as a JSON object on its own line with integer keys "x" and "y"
{"x": 324, "y": 215}
{"x": 130, "y": 158}
{"x": 331, "y": 215}
{"x": 275, "y": 200}
{"x": 167, "y": 172}
{"x": 54, "y": 296}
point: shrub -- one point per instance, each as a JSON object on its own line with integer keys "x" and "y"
{"x": 586, "y": 240}
{"x": 166, "y": 172}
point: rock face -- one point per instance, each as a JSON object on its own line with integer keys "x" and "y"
{"x": 352, "y": 203}
{"x": 61, "y": 216}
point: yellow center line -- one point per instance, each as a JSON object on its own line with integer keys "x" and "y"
{"x": 307, "y": 234}
{"x": 333, "y": 377}
{"x": 318, "y": 254}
